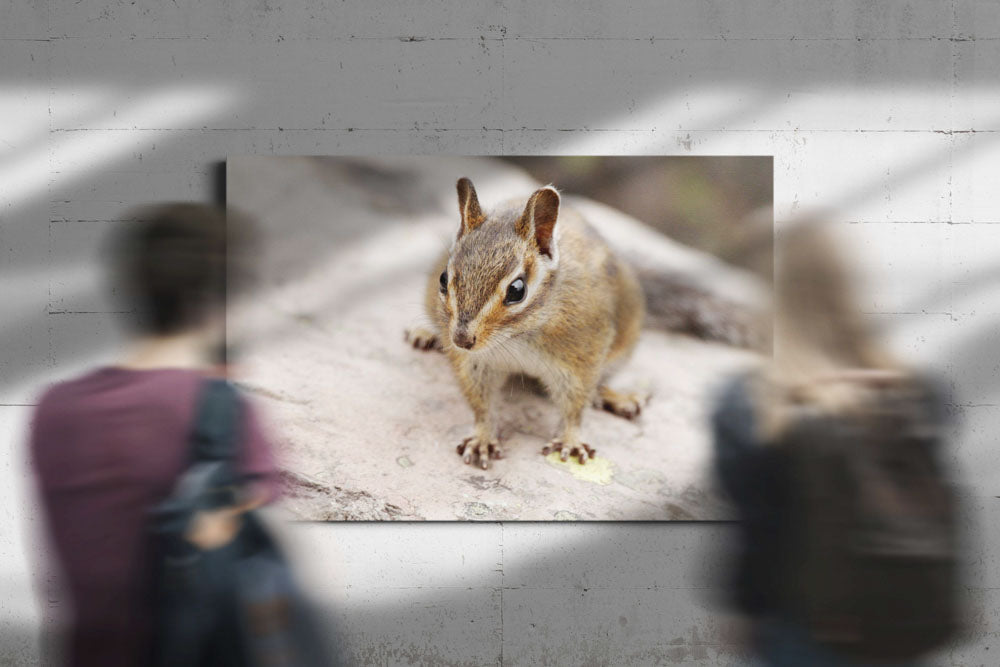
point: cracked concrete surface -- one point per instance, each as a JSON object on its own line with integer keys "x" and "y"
{"x": 367, "y": 426}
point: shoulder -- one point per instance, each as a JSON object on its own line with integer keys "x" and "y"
{"x": 932, "y": 389}
{"x": 734, "y": 420}
{"x": 58, "y": 409}
{"x": 110, "y": 388}
{"x": 930, "y": 397}
{"x": 64, "y": 394}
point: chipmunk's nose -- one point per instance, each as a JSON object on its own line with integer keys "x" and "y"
{"x": 462, "y": 339}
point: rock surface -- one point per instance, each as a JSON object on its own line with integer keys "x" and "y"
{"x": 367, "y": 426}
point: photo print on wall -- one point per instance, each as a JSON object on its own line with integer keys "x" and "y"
{"x": 517, "y": 338}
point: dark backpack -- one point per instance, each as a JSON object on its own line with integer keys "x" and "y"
{"x": 872, "y": 570}
{"x": 236, "y": 605}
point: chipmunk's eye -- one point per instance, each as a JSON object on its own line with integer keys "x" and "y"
{"x": 444, "y": 282}
{"x": 515, "y": 292}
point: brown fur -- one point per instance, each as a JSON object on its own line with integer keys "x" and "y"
{"x": 577, "y": 323}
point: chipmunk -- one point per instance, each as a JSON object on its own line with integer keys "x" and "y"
{"x": 532, "y": 289}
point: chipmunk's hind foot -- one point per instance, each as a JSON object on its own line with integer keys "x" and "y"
{"x": 476, "y": 451}
{"x": 623, "y": 404}
{"x": 582, "y": 451}
{"x": 422, "y": 339}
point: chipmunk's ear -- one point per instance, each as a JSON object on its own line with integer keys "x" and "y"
{"x": 468, "y": 206}
{"x": 539, "y": 219}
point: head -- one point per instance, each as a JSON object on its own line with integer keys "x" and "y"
{"x": 819, "y": 329}
{"x": 176, "y": 263}
{"x": 818, "y": 322}
{"x": 500, "y": 267}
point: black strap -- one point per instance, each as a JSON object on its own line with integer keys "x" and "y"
{"x": 216, "y": 434}
{"x": 215, "y": 440}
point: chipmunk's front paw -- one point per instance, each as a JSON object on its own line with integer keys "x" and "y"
{"x": 475, "y": 450}
{"x": 422, "y": 339}
{"x": 581, "y": 451}
{"x": 627, "y": 405}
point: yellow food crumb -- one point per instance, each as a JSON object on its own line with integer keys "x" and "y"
{"x": 596, "y": 470}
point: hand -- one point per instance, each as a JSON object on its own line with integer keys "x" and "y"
{"x": 211, "y": 529}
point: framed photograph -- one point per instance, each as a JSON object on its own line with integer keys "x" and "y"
{"x": 482, "y": 338}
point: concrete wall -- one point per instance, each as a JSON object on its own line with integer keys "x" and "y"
{"x": 885, "y": 114}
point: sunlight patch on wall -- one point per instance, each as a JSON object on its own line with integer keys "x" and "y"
{"x": 27, "y": 173}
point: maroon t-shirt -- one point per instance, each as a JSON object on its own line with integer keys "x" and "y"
{"x": 106, "y": 448}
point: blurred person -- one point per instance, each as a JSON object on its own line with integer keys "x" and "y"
{"x": 110, "y": 445}
{"x": 831, "y": 455}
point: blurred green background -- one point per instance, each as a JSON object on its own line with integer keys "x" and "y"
{"x": 722, "y": 205}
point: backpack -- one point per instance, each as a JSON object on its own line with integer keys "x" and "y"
{"x": 238, "y": 604}
{"x": 872, "y": 567}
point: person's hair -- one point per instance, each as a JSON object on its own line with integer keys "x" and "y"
{"x": 171, "y": 264}
{"x": 819, "y": 332}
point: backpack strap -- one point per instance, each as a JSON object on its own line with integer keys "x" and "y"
{"x": 214, "y": 440}
{"x": 217, "y": 416}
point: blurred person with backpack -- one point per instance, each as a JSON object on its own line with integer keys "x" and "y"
{"x": 149, "y": 469}
{"x": 831, "y": 454}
